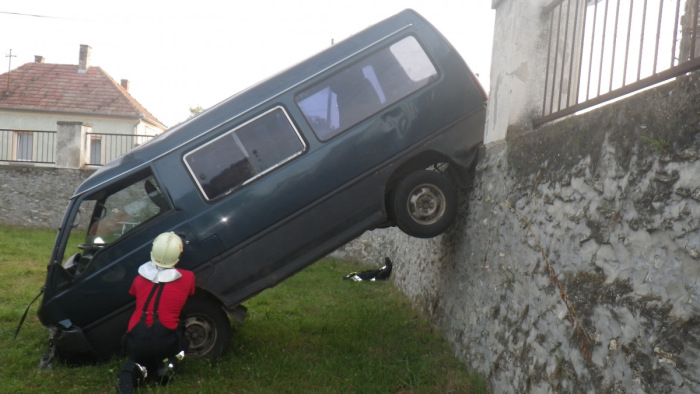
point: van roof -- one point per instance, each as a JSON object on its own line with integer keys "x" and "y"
{"x": 245, "y": 100}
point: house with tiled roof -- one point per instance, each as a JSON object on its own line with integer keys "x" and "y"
{"x": 37, "y": 98}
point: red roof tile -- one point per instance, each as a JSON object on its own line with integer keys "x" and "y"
{"x": 60, "y": 87}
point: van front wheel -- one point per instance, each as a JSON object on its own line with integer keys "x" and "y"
{"x": 424, "y": 204}
{"x": 207, "y": 328}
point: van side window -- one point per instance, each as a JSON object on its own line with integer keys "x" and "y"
{"x": 364, "y": 88}
{"x": 244, "y": 153}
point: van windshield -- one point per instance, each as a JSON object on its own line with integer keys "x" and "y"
{"x": 108, "y": 215}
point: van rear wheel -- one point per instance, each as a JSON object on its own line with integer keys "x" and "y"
{"x": 207, "y": 328}
{"x": 424, "y": 204}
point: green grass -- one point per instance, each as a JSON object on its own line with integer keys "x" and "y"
{"x": 314, "y": 333}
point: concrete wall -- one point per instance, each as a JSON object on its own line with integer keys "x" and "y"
{"x": 519, "y": 56}
{"x": 574, "y": 265}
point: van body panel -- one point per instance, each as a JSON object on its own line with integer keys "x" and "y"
{"x": 257, "y": 95}
{"x": 254, "y": 209}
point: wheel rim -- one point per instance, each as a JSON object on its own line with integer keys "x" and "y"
{"x": 201, "y": 334}
{"x": 426, "y": 204}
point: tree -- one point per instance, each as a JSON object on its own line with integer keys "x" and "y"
{"x": 194, "y": 111}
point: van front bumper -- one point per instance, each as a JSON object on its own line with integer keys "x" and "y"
{"x": 70, "y": 344}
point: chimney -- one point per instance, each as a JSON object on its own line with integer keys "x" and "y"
{"x": 125, "y": 84}
{"x": 38, "y": 59}
{"x": 84, "y": 62}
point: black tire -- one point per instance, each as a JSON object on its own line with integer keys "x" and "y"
{"x": 424, "y": 204}
{"x": 207, "y": 328}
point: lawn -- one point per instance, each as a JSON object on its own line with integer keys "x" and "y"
{"x": 314, "y": 333}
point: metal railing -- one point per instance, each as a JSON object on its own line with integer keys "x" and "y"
{"x": 600, "y": 50}
{"x": 39, "y": 146}
{"x": 105, "y": 147}
{"x": 28, "y": 146}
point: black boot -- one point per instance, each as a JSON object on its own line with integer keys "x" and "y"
{"x": 167, "y": 370}
{"x": 126, "y": 378}
{"x": 130, "y": 376}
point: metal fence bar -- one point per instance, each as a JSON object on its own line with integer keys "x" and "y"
{"x": 595, "y": 49}
{"x": 573, "y": 47}
{"x": 43, "y": 146}
{"x": 39, "y": 149}
{"x": 563, "y": 57}
{"x": 675, "y": 32}
{"x": 658, "y": 35}
{"x": 627, "y": 47}
{"x": 590, "y": 58}
{"x": 580, "y": 60}
{"x": 614, "y": 44}
{"x": 5, "y": 145}
{"x": 549, "y": 57}
{"x": 641, "y": 41}
{"x": 556, "y": 61}
{"x": 46, "y": 147}
{"x": 694, "y": 34}
{"x": 565, "y": 79}
{"x": 602, "y": 47}
{"x": 114, "y": 145}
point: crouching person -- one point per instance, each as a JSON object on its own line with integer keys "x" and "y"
{"x": 154, "y": 342}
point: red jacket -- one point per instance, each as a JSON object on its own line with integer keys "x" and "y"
{"x": 175, "y": 294}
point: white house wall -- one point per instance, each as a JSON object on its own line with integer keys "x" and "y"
{"x": 147, "y": 129}
{"x": 23, "y": 120}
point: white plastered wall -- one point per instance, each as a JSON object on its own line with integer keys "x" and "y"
{"x": 517, "y": 65}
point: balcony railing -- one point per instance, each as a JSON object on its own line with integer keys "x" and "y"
{"x": 28, "y": 146}
{"x": 600, "y": 50}
{"x": 39, "y": 147}
{"x": 105, "y": 147}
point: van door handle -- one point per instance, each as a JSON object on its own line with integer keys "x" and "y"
{"x": 394, "y": 120}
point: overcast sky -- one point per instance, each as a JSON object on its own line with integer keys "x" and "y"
{"x": 183, "y": 54}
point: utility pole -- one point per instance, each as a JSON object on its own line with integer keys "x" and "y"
{"x": 9, "y": 68}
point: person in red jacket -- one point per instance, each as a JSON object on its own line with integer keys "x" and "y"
{"x": 154, "y": 341}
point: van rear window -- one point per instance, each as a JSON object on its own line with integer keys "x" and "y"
{"x": 364, "y": 88}
{"x": 244, "y": 153}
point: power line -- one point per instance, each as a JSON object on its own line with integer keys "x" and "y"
{"x": 33, "y": 15}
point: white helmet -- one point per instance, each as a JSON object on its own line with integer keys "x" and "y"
{"x": 166, "y": 249}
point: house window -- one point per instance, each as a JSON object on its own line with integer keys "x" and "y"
{"x": 96, "y": 150}
{"x": 24, "y": 147}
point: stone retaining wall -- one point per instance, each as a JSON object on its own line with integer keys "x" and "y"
{"x": 574, "y": 264}
{"x": 36, "y": 196}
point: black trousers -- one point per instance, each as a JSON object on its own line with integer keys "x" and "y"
{"x": 150, "y": 347}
